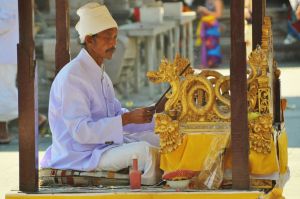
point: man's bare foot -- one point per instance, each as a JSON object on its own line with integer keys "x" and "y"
{"x": 4, "y": 135}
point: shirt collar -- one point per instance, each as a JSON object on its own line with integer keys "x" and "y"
{"x": 89, "y": 61}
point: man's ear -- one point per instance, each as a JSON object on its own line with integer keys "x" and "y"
{"x": 88, "y": 40}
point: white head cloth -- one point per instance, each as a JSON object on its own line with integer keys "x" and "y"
{"x": 94, "y": 18}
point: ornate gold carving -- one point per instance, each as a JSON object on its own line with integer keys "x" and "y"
{"x": 267, "y": 37}
{"x": 168, "y": 130}
{"x": 202, "y": 97}
{"x": 264, "y": 100}
{"x": 260, "y": 133}
{"x": 197, "y": 127}
{"x": 192, "y": 88}
{"x": 205, "y": 97}
{"x": 255, "y": 59}
{"x": 259, "y": 81}
{"x": 253, "y": 97}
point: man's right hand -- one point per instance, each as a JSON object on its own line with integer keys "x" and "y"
{"x": 138, "y": 116}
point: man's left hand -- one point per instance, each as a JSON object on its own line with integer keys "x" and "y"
{"x": 138, "y": 116}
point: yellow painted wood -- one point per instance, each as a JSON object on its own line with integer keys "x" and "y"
{"x": 145, "y": 195}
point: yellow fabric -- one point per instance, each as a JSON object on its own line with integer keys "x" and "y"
{"x": 192, "y": 152}
{"x": 198, "y": 41}
{"x": 259, "y": 163}
{"x": 283, "y": 153}
{"x": 263, "y": 164}
{"x": 276, "y": 193}
{"x": 207, "y": 19}
{"x": 253, "y": 115}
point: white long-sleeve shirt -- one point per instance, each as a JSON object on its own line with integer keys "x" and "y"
{"x": 84, "y": 115}
{"x": 9, "y": 31}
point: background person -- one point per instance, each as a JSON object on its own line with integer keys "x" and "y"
{"x": 248, "y": 26}
{"x": 208, "y": 32}
{"x": 293, "y": 33}
{"x": 9, "y": 38}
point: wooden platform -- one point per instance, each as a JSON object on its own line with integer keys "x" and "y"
{"x": 125, "y": 193}
{"x": 145, "y": 195}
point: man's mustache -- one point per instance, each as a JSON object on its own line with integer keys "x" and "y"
{"x": 111, "y": 49}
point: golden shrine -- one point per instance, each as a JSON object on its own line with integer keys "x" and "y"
{"x": 194, "y": 128}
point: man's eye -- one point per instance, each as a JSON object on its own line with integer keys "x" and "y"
{"x": 108, "y": 38}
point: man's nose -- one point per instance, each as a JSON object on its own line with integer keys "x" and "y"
{"x": 114, "y": 43}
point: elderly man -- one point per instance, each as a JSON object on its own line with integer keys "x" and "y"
{"x": 87, "y": 122}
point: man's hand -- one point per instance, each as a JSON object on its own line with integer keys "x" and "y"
{"x": 138, "y": 116}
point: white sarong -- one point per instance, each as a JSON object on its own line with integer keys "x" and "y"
{"x": 8, "y": 92}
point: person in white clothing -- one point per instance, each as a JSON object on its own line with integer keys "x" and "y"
{"x": 9, "y": 37}
{"x": 90, "y": 129}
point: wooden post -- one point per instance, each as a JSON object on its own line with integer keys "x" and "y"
{"x": 62, "y": 49}
{"x": 258, "y": 13}
{"x": 277, "y": 115}
{"x": 28, "y": 111}
{"x": 238, "y": 87}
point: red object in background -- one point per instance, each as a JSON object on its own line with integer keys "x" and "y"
{"x": 135, "y": 175}
{"x": 136, "y": 14}
{"x": 186, "y": 8}
{"x": 294, "y": 22}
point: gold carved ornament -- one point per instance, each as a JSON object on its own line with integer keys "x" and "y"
{"x": 205, "y": 97}
{"x": 168, "y": 130}
{"x": 261, "y": 133}
{"x": 192, "y": 98}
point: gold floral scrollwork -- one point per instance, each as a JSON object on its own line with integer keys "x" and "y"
{"x": 266, "y": 41}
{"x": 252, "y": 97}
{"x": 169, "y": 134}
{"x": 264, "y": 100}
{"x": 260, "y": 133}
{"x": 193, "y": 85}
{"x": 222, "y": 105}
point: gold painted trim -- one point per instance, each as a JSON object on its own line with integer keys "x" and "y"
{"x": 146, "y": 195}
{"x": 198, "y": 127}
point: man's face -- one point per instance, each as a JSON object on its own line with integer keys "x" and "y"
{"x": 104, "y": 43}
